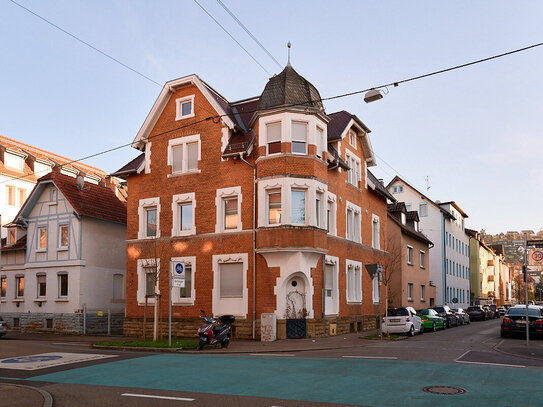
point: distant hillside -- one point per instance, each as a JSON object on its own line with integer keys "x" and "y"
{"x": 512, "y": 240}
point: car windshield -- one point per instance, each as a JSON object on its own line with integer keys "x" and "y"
{"x": 397, "y": 312}
{"x": 439, "y": 309}
{"x": 519, "y": 312}
{"x": 423, "y": 312}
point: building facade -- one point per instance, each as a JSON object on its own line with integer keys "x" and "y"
{"x": 267, "y": 201}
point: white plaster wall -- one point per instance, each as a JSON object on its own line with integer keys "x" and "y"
{"x": 8, "y": 211}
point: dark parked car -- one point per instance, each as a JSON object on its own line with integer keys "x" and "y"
{"x": 462, "y": 316}
{"x": 477, "y": 312}
{"x": 514, "y": 321}
{"x": 446, "y": 313}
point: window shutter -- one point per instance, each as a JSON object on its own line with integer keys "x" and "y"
{"x": 177, "y": 158}
{"x": 231, "y": 280}
{"x": 192, "y": 154}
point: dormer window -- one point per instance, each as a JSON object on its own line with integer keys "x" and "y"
{"x": 12, "y": 237}
{"x": 14, "y": 161}
{"x": 184, "y": 107}
{"x": 352, "y": 138}
{"x": 299, "y": 138}
{"x": 416, "y": 225}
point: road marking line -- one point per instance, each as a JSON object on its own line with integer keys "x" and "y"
{"x": 273, "y": 354}
{"x": 71, "y": 343}
{"x": 371, "y": 357}
{"x": 150, "y": 396}
{"x": 491, "y": 364}
{"x": 462, "y": 355}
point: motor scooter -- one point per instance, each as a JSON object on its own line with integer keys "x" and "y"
{"x": 211, "y": 334}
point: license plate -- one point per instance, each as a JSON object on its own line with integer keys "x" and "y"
{"x": 394, "y": 320}
{"x": 521, "y": 322}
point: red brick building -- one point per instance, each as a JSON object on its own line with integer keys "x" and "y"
{"x": 267, "y": 201}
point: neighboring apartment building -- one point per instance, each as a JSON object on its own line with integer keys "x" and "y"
{"x": 443, "y": 224}
{"x": 408, "y": 260}
{"x": 22, "y": 164}
{"x": 483, "y": 276}
{"x": 267, "y": 201}
{"x": 65, "y": 253}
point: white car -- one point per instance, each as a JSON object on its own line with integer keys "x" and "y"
{"x": 403, "y": 320}
{"x": 3, "y": 327}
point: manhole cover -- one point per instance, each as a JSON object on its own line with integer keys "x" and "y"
{"x": 447, "y": 390}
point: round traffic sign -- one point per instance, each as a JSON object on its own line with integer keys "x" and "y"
{"x": 537, "y": 255}
{"x": 179, "y": 268}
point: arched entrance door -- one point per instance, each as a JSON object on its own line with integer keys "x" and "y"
{"x": 296, "y": 310}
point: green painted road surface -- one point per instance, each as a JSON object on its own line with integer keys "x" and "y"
{"x": 376, "y": 383}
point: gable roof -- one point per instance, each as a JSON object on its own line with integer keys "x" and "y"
{"x": 455, "y": 206}
{"x": 219, "y": 103}
{"x": 131, "y": 167}
{"x": 92, "y": 200}
{"x": 376, "y": 185}
{"x": 409, "y": 230}
{"x": 341, "y": 122}
{"x": 18, "y": 245}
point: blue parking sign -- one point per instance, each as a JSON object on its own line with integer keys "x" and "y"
{"x": 179, "y": 268}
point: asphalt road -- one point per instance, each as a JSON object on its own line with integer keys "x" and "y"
{"x": 370, "y": 373}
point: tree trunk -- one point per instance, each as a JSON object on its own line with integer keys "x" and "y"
{"x": 155, "y": 321}
{"x": 145, "y": 319}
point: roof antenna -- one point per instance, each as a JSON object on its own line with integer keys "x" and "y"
{"x": 289, "y": 45}
{"x": 428, "y": 186}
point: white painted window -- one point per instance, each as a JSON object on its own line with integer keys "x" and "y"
{"x": 319, "y": 205}
{"x": 118, "y": 287}
{"x": 423, "y": 210}
{"x": 321, "y": 142}
{"x": 149, "y": 218}
{"x": 353, "y": 222}
{"x": 62, "y": 284}
{"x": 10, "y": 195}
{"x": 183, "y": 209}
{"x": 404, "y": 218}
{"x": 231, "y": 280}
{"x": 409, "y": 255}
{"x": 274, "y": 206}
{"x": 230, "y": 293}
{"x": 41, "y": 169}
{"x": 21, "y": 192}
{"x": 422, "y": 292}
{"x": 299, "y": 137}
{"x": 298, "y": 206}
{"x": 11, "y": 240}
{"x": 149, "y": 275}
{"x": 184, "y": 107}
{"x": 375, "y": 290}
{"x": 42, "y": 238}
{"x": 331, "y": 285}
{"x": 273, "y": 138}
{"x": 53, "y": 196}
{"x": 19, "y": 286}
{"x": 63, "y": 236}
{"x": 354, "y": 171}
{"x": 354, "y": 282}
{"x": 352, "y": 138}
{"x": 14, "y": 161}
{"x": 187, "y": 294}
{"x": 41, "y": 283}
{"x": 409, "y": 291}
{"x": 408, "y": 206}
{"x": 228, "y": 206}
{"x": 422, "y": 259}
{"x": 184, "y": 153}
{"x": 331, "y": 214}
{"x": 375, "y": 232}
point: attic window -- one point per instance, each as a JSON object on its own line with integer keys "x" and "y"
{"x": 14, "y": 161}
{"x": 352, "y": 138}
{"x": 12, "y": 237}
{"x": 184, "y": 107}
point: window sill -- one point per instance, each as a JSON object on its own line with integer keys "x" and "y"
{"x": 62, "y": 249}
{"x": 180, "y": 174}
{"x": 178, "y": 233}
{"x": 421, "y": 300}
{"x": 410, "y": 264}
{"x": 52, "y": 203}
{"x": 410, "y": 300}
{"x": 354, "y": 186}
{"x": 62, "y": 300}
{"x": 41, "y": 250}
{"x": 354, "y": 302}
{"x": 188, "y": 116}
{"x": 181, "y": 303}
{"x": 18, "y": 300}
{"x": 3, "y": 301}
{"x": 40, "y": 300}
{"x": 230, "y": 230}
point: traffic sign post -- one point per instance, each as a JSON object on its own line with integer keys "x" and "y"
{"x": 177, "y": 279}
{"x": 376, "y": 270}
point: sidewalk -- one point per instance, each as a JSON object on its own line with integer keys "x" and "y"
{"x": 24, "y": 396}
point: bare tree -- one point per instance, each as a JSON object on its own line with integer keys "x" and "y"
{"x": 391, "y": 261}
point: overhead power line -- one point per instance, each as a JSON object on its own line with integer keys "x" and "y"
{"x": 249, "y": 33}
{"x": 231, "y": 36}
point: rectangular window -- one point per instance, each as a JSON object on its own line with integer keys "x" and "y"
{"x": 422, "y": 256}
{"x": 42, "y": 285}
{"x": 150, "y": 222}
{"x": 185, "y": 216}
{"x": 10, "y": 191}
{"x": 409, "y": 255}
{"x": 376, "y": 287}
{"x": 274, "y": 207}
{"x": 298, "y": 207}
{"x": 63, "y": 232}
{"x": 11, "y": 237}
{"x": 423, "y": 210}
{"x": 230, "y": 213}
{"x": 329, "y": 209}
{"x": 318, "y": 208}
{"x": 192, "y": 156}
{"x": 53, "y": 195}
{"x": 183, "y": 154}
{"x": 354, "y": 284}
{"x": 184, "y": 107}
{"x": 150, "y": 281}
{"x": 321, "y": 143}
{"x": 356, "y": 227}
{"x": 352, "y": 138}
{"x": 22, "y": 196}
{"x": 273, "y": 138}
{"x": 186, "y": 292}
{"x": 349, "y": 232}
{"x": 422, "y": 289}
{"x": 299, "y": 138}
{"x": 328, "y": 281}
{"x": 375, "y": 234}
{"x": 63, "y": 285}
{"x": 13, "y": 161}
{"x": 20, "y": 287}
{"x": 409, "y": 291}
{"x": 3, "y": 286}
{"x": 42, "y": 232}
{"x": 231, "y": 280}
{"x": 177, "y": 158}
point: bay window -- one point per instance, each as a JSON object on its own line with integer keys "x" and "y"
{"x": 299, "y": 137}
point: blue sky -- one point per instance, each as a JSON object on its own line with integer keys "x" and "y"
{"x": 476, "y": 132}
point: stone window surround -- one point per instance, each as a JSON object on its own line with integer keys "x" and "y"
{"x": 331, "y": 199}
{"x": 177, "y": 200}
{"x": 178, "y": 107}
{"x": 145, "y": 204}
{"x": 176, "y": 299}
{"x": 141, "y": 264}
{"x": 375, "y": 220}
{"x": 334, "y": 262}
{"x": 356, "y": 267}
{"x": 193, "y": 138}
{"x": 235, "y": 306}
{"x": 349, "y": 206}
{"x": 352, "y": 156}
{"x": 409, "y": 250}
{"x": 222, "y": 194}
{"x": 286, "y": 119}
{"x": 286, "y": 185}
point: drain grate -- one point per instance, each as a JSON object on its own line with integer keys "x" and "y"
{"x": 447, "y": 390}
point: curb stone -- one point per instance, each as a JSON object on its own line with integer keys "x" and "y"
{"x": 47, "y": 398}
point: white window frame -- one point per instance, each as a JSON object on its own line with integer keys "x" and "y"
{"x": 280, "y": 141}
{"x": 14, "y": 190}
{"x": 352, "y": 138}
{"x": 422, "y": 258}
{"x": 142, "y": 264}
{"x": 409, "y": 291}
{"x": 10, "y": 241}
{"x": 17, "y": 295}
{"x": 320, "y": 142}
{"x": 42, "y": 275}
{"x": 306, "y": 141}
{"x": 4, "y": 279}
{"x": 375, "y": 221}
{"x": 177, "y": 201}
{"x": 8, "y": 156}
{"x": 60, "y": 274}
{"x": 319, "y": 209}
{"x": 179, "y": 107}
{"x": 235, "y": 306}
{"x": 194, "y": 138}
{"x": 306, "y": 196}
{"x": 145, "y": 204}
{"x": 354, "y": 174}
{"x": 176, "y": 292}
{"x": 332, "y": 219}
{"x": 221, "y": 195}
{"x": 38, "y": 242}
{"x": 375, "y": 294}
{"x": 269, "y": 192}
{"x": 333, "y": 263}
{"x": 422, "y": 291}
{"x": 421, "y": 205}
{"x": 353, "y": 268}
{"x": 356, "y": 229}
{"x": 410, "y": 255}
{"x": 60, "y": 245}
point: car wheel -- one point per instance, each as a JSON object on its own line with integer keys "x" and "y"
{"x": 201, "y": 344}
{"x": 412, "y": 331}
{"x": 421, "y": 331}
{"x": 434, "y": 327}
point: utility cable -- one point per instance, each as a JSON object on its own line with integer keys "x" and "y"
{"x": 231, "y": 36}
{"x": 249, "y": 33}
{"x": 87, "y": 44}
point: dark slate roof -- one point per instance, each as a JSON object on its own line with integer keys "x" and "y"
{"x": 409, "y": 230}
{"x": 339, "y": 121}
{"x": 239, "y": 143}
{"x": 19, "y": 244}
{"x": 396, "y": 207}
{"x": 380, "y": 188}
{"x": 413, "y": 215}
{"x": 131, "y": 167}
{"x": 289, "y": 88}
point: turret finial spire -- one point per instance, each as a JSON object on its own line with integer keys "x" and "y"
{"x": 289, "y": 45}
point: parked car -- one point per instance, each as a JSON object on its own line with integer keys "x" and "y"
{"x": 446, "y": 313}
{"x": 489, "y": 312}
{"x": 402, "y": 320}
{"x": 502, "y": 311}
{"x": 495, "y": 311}
{"x": 477, "y": 312}
{"x": 431, "y": 320}
{"x": 462, "y": 316}
{"x": 514, "y": 321}
{"x": 3, "y": 327}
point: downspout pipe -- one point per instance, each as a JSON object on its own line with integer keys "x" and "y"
{"x": 254, "y": 241}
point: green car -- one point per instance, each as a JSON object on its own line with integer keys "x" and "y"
{"x": 431, "y": 320}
